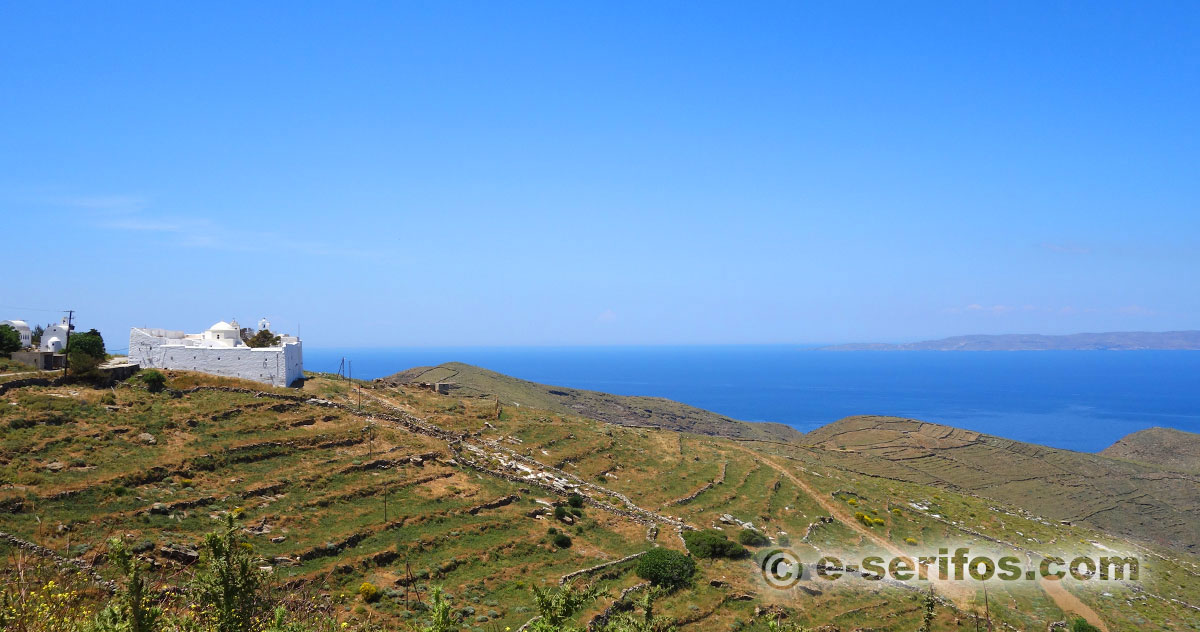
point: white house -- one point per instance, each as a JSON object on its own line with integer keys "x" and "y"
{"x": 23, "y": 330}
{"x": 219, "y": 350}
{"x": 54, "y": 339}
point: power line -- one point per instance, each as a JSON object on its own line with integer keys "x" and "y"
{"x": 33, "y": 309}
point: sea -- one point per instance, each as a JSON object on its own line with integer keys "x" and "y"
{"x": 1075, "y": 400}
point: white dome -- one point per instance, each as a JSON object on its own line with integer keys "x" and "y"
{"x": 222, "y": 326}
{"x": 17, "y": 324}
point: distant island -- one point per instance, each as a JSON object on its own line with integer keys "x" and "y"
{"x": 1111, "y": 341}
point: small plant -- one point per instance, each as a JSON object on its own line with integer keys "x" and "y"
{"x": 562, "y": 541}
{"x": 560, "y": 512}
{"x": 1081, "y": 625}
{"x": 575, "y": 500}
{"x": 557, "y": 606}
{"x": 910, "y": 541}
{"x": 441, "y": 613}
{"x": 369, "y": 592}
{"x": 897, "y": 512}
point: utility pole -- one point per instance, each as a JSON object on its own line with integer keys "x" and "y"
{"x": 986, "y": 610}
{"x": 67, "y": 344}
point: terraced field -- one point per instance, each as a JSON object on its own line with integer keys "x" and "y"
{"x": 414, "y": 490}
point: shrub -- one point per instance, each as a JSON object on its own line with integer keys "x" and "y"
{"x": 154, "y": 380}
{"x": 897, "y": 512}
{"x": 369, "y": 592}
{"x": 10, "y": 340}
{"x": 868, "y": 520}
{"x": 751, "y": 537}
{"x": 562, "y": 541}
{"x": 228, "y": 585}
{"x": 575, "y": 500}
{"x": 910, "y": 541}
{"x": 560, "y": 512}
{"x": 1081, "y": 625}
{"x": 710, "y": 543}
{"x": 667, "y": 568}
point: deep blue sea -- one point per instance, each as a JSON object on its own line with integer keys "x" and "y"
{"x": 1078, "y": 400}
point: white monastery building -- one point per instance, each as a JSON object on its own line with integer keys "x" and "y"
{"x": 23, "y": 330}
{"x": 218, "y": 351}
{"x": 54, "y": 339}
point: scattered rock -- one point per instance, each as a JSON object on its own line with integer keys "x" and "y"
{"x": 55, "y": 466}
{"x": 180, "y": 553}
{"x": 147, "y": 438}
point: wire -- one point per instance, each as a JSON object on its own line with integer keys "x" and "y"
{"x": 33, "y": 309}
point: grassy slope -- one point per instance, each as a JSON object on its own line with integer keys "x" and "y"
{"x": 297, "y": 469}
{"x": 1162, "y": 447}
{"x": 617, "y": 409}
{"x": 1131, "y": 499}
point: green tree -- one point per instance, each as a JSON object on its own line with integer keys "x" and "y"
{"x": 85, "y": 352}
{"x": 557, "y": 606}
{"x": 36, "y": 335}
{"x": 228, "y": 584}
{"x": 264, "y": 338}
{"x": 10, "y": 340}
{"x": 666, "y": 568}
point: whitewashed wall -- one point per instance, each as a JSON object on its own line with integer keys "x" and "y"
{"x": 279, "y": 366}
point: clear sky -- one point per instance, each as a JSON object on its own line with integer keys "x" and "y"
{"x": 509, "y": 173}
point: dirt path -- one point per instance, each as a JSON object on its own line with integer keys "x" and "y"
{"x": 1070, "y": 603}
{"x": 958, "y": 593}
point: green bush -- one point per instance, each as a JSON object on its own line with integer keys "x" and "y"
{"x": 1081, "y": 625}
{"x": 710, "y": 543}
{"x": 154, "y": 380}
{"x": 751, "y": 537}
{"x": 562, "y": 541}
{"x": 667, "y": 568}
{"x": 560, "y": 512}
{"x": 575, "y": 500}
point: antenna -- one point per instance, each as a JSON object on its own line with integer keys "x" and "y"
{"x": 66, "y": 355}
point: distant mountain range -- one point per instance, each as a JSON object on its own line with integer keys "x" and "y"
{"x": 1111, "y": 341}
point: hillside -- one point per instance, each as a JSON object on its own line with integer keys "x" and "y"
{"x": 415, "y": 490}
{"x": 467, "y": 380}
{"x": 1137, "y": 500}
{"x": 1162, "y": 447}
{"x": 1111, "y": 341}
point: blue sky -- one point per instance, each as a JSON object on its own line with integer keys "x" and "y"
{"x": 401, "y": 174}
